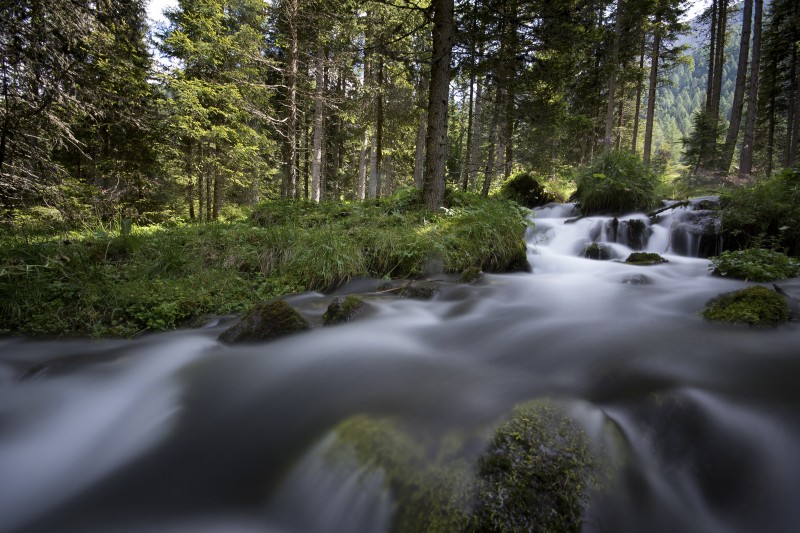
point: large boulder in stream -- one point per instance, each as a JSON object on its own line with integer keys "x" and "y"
{"x": 536, "y": 474}
{"x": 645, "y": 259}
{"x": 265, "y": 321}
{"x": 755, "y": 306}
{"x": 598, "y": 252}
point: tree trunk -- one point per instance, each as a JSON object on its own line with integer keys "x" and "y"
{"x": 373, "y": 168}
{"x": 746, "y": 156}
{"x": 790, "y": 114}
{"x": 436, "y": 139}
{"x": 362, "y": 167}
{"x": 419, "y": 153}
{"x": 379, "y": 131}
{"x": 719, "y": 62}
{"x": 639, "y": 88}
{"x": 291, "y": 125}
{"x": 612, "y": 80}
{"x": 738, "y": 96}
{"x": 651, "y": 92}
{"x": 474, "y": 148}
{"x": 712, "y": 54}
{"x": 465, "y": 166}
{"x": 489, "y": 170}
{"x": 319, "y": 125}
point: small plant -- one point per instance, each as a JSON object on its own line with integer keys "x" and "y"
{"x": 617, "y": 182}
{"x": 755, "y": 264}
{"x": 755, "y": 306}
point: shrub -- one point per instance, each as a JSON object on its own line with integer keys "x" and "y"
{"x": 756, "y": 306}
{"x": 617, "y": 182}
{"x": 755, "y": 264}
{"x": 770, "y": 210}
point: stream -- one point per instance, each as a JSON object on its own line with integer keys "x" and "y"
{"x": 177, "y": 432}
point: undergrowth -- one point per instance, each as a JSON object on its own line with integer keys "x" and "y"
{"x": 115, "y": 283}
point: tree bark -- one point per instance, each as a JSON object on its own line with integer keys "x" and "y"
{"x": 738, "y": 95}
{"x": 362, "y": 167}
{"x": 612, "y": 80}
{"x": 379, "y": 130}
{"x": 651, "y": 92}
{"x": 319, "y": 125}
{"x": 639, "y": 88}
{"x": 474, "y": 148}
{"x": 790, "y": 114}
{"x": 436, "y": 138}
{"x": 746, "y": 155}
{"x": 291, "y": 125}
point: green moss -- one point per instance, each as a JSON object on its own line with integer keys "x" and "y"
{"x": 536, "y": 474}
{"x": 429, "y": 495}
{"x": 471, "y": 275}
{"x": 342, "y": 310}
{"x": 645, "y": 258}
{"x": 756, "y": 306}
{"x": 596, "y": 251}
{"x": 265, "y": 321}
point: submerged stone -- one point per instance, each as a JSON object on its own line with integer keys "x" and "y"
{"x": 637, "y": 279}
{"x": 596, "y": 251}
{"x": 536, "y": 474}
{"x": 756, "y": 306}
{"x": 645, "y": 259}
{"x": 413, "y": 290}
{"x": 265, "y": 321}
{"x": 342, "y": 310}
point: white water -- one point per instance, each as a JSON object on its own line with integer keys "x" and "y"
{"x": 176, "y": 432}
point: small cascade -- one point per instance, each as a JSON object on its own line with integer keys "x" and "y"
{"x": 689, "y": 229}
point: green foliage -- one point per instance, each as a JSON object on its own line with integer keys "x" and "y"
{"x": 769, "y": 210}
{"x": 755, "y": 264}
{"x": 756, "y": 306}
{"x": 616, "y": 182}
{"x": 536, "y": 474}
{"x": 104, "y": 283}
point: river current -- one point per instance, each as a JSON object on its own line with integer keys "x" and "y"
{"x": 178, "y": 432}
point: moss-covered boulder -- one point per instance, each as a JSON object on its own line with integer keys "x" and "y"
{"x": 343, "y": 310}
{"x": 536, "y": 474}
{"x": 431, "y": 490}
{"x": 265, "y": 321}
{"x": 596, "y": 251}
{"x": 526, "y": 190}
{"x": 645, "y": 259}
{"x": 756, "y": 306}
{"x": 471, "y": 275}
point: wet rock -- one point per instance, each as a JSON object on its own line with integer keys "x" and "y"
{"x": 413, "y": 290}
{"x": 536, "y": 474}
{"x": 342, "y": 310}
{"x": 265, "y": 321}
{"x": 471, "y": 275}
{"x": 637, "y": 279}
{"x": 596, "y": 251}
{"x": 755, "y": 306}
{"x": 645, "y": 259}
{"x": 637, "y": 233}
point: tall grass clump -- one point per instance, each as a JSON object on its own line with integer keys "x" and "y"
{"x": 616, "y": 182}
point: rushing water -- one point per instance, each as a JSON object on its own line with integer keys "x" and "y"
{"x": 176, "y": 432}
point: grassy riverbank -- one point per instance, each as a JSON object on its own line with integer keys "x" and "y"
{"x": 135, "y": 279}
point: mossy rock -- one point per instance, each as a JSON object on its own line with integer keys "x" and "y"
{"x": 519, "y": 261}
{"x": 428, "y": 495}
{"x": 596, "y": 251}
{"x": 526, "y": 190}
{"x": 637, "y": 233}
{"x": 471, "y": 275}
{"x": 265, "y": 321}
{"x": 637, "y": 279}
{"x": 342, "y": 310}
{"x": 536, "y": 474}
{"x": 756, "y": 306}
{"x": 645, "y": 259}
